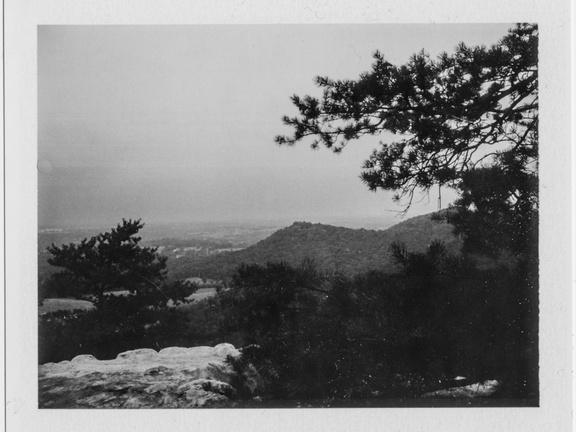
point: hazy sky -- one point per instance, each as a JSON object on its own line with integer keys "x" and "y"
{"x": 176, "y": 123}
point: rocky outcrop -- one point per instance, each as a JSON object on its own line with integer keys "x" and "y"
{"x": 144, "y": 378}
{"x": 480, "y": 389}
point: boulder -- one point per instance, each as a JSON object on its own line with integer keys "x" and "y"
{"x": 144, "y": 378}
{"x": 480, "y": 389}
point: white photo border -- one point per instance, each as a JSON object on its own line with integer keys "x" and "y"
{"x": 20, "y": 24}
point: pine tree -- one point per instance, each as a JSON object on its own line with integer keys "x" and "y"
{"x": 110, "y": 261}
{"x": 474, "y": 108}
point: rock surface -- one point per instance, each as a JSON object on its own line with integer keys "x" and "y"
{"x": 481, "y": 389}
{"x": 57, "y": 304}
{"x": 143, "y": 378}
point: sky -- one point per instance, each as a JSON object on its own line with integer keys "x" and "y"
{"x": 177, "y": 123}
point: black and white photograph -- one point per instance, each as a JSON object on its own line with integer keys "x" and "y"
{"x": 318, "y": 217}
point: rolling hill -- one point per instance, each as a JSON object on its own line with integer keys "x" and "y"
{"x": 352, "y": 251}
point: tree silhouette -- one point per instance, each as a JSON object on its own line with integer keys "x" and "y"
{"x": 466, "y": 120}
{"x": 111, "y": 261}
{"x": 476, "y": 107}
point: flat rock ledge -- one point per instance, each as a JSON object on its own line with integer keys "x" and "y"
{"x": 144, "y": 378}
{"x": 480, "y": 389}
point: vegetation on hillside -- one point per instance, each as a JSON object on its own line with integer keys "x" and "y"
{"x": 113, "y": 261}
{"x": 378, "y": 335}
{"x": 350, "y": 251}
{"x": 91, "y": 269}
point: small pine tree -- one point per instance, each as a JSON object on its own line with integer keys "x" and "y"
{"x": 110, "y": 261}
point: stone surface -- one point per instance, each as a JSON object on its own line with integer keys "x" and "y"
{"x": 60, "y": 304}
{"x": 483, "y": 389}
{"x": 143, "y": 378}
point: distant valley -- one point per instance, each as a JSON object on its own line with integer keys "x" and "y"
{"x": 212, "y": 252}
{"x": 191, "y": 240}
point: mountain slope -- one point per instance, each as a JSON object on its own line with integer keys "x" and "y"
{"x": 352, "y": 251}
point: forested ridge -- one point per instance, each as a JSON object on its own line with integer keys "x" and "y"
{"x": 351, "y": 251}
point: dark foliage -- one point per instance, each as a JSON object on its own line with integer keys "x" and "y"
{"x": 106, "y": 333}
{"x": 94, "y": 268}
{"x": 468, "y": 120}
{"x": 386, "y": 335}
{"x": 124, "y": 325}
{"x": 328, "y": 337}
{"x": 497, "y": 212}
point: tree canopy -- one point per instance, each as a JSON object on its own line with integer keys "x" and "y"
{"x": 474, "y": 108}
{"x": 112, "y": 261}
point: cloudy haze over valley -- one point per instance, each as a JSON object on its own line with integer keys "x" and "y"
{"x": 176, "y": 123}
